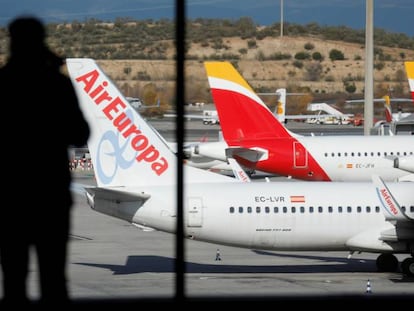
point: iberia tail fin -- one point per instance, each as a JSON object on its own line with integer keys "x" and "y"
{"x": 125, "y": 149}
{"x": 243, "y": 115}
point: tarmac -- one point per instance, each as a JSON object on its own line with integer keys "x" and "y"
{"x": 196, "y": 130}
{"x": 114, "y": 263}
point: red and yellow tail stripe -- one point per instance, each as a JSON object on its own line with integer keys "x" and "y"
{"x": 242, "y": 113}
{"x": 222, "y": 75}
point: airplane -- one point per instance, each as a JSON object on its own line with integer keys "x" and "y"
{"x": 392, "y": 119}
{"x": 220, "y": 165}
{"x": 392, "y": 123}
{"x": 331, "y": 115}
{"x": 209, "y": 117}
{"x": 258, "y": 141}
{"x": 135, "y": 182}
{"x": 138, "y": 104}
{"x": 389, "y": 115}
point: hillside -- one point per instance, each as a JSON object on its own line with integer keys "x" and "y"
{"x": 324, "y": 62}
{"x": 268, "y": 75}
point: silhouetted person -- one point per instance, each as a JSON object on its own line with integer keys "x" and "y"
{"x": 41, "y": 119}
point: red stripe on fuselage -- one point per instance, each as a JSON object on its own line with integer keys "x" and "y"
{"x": 281, "y": 159}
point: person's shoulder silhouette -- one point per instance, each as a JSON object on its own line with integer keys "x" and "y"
{"x": 42, "y": 106}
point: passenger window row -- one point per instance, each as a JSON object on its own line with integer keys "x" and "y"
{"x": 366, "y": 154}
{"x": 309, "y": 209}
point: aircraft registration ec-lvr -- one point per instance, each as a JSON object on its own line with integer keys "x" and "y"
{"x": 135, "y": 173}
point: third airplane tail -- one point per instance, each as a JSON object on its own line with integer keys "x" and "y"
{"x": 387, "y": 107}
{"x": 409, "y": 68}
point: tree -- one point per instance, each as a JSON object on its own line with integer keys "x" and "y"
{"x": 335, "y": 54}
{"x": 350, "y": 88}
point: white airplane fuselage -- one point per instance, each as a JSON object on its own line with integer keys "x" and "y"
{"x": 333, "y": 158}
{"x": 265, "y": 215}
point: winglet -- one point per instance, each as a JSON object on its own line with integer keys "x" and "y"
{"x": 238, "y": 171}
{"x": 390, "y": 206}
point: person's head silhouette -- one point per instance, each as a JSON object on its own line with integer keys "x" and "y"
{"x": 28, "y": 41}
{"x": 27, "y": 35}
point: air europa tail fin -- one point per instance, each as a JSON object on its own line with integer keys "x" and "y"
{"x": 124, "y": 148}
{"x": 409, "y": 68}
{"x": 242, "y": 114}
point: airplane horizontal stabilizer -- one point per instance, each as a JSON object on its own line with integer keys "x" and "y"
{"x": 117, "y": 195}
{"x": 117, "y": 203}
{"x": 253, "y": 154}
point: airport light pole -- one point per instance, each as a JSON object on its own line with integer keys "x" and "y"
{"x": 369, "y": 67}
{"x": 281, "y": 18}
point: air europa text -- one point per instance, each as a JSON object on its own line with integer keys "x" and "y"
{"x": 387, "y": 198}
{"x": 114, "y": 109}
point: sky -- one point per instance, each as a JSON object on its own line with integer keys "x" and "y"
{"x": 391, "y": 15}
